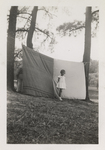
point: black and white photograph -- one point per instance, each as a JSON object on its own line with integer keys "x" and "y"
{"x": 52, "y": 75}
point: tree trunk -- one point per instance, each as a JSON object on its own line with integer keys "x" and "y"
{"x": 86, "y": 57}
{"x": 32, "y": 27}
{"x": 10, "y": 47}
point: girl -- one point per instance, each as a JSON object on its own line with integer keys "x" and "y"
{"x": 61, "y": 84}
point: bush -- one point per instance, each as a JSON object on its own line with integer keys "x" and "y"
{"x": 93, "y": 66}
{"x": 93, "y": 79}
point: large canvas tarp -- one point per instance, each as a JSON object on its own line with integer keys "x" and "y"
{"x": 40, "y": 73}
{"x": 75, "y": 78}
{"x": 37, "y": 73}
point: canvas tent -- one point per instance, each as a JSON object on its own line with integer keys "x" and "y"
{"x": 40, "y": 73}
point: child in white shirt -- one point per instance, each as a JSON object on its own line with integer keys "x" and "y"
{"x": 61, "y": 84}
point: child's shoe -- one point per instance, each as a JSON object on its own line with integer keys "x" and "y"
{"x": 60, "y": 98}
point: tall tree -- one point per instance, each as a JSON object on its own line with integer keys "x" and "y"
{"x": 78, "y": 25}
{"x": 11, "y": 47}
{"x": 32, "y": 27}
{"x": 86, "y": 57}
{"x": 29, "y": 27}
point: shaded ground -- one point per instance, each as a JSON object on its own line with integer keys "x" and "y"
{"x": 48, "y": 121}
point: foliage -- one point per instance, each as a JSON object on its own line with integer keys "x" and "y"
{"x": 93, "y": 66}
{"x": 75, "y": 27}
{"x": 47, "y": 11}
{"x": 95, "y": 23}
{"x": 25, "y": 15}
{"x": 93, "y": 79}
{"x": 18, "y": 54}
{"x": 70, "y": 28}
{"x": 93, "y": 73}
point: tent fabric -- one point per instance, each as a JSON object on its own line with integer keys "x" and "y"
{"x": 37, "y": 73}
{"x": 75, "y": 78}
{"x": 40, "y": 74}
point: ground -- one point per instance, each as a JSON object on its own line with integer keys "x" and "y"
{"x": 39, "y": 120}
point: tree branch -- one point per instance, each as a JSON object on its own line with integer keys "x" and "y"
{"x": 45, "y": 39}
{"x": 40, "y": 30}
{"x": 48, "y": 12}
{"x": 43, "y": 32}
{"x": 24, "y": 13}
{"x": 26, "y": 30}
{"x": 22, "y": 30}
{"x": 77, "y": 28}
{"x": 17, "y": 54}
{"x": 27, "y": 21}
{"x": 95, "y": 12}
{"x": 22, "y": 17}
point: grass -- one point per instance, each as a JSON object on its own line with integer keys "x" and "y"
{"x": 38, "y": 120}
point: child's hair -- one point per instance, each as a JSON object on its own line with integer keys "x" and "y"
{"x": 62, "y": 71}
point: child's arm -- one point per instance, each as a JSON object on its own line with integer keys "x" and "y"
{"x": 58, "y": 79}
{"x": 17, "y": 73}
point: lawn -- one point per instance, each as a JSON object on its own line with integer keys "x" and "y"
{"x": 39, "y": 120}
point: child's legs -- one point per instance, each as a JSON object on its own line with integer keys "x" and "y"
{"x": 21, "y": 85}
{"x": 18, "y": 85}
{"x": 60, "y": 92}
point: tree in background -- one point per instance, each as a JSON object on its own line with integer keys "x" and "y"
{"x": 30, "y": 24}
{"x": 11, "y": 47}
{"x": 28, "y": 17}
{"x": 27, "y": 29}
{"x": 32, "y": 27}
{"x": 87, "y": 49}
{"x": 74, "y": 28}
